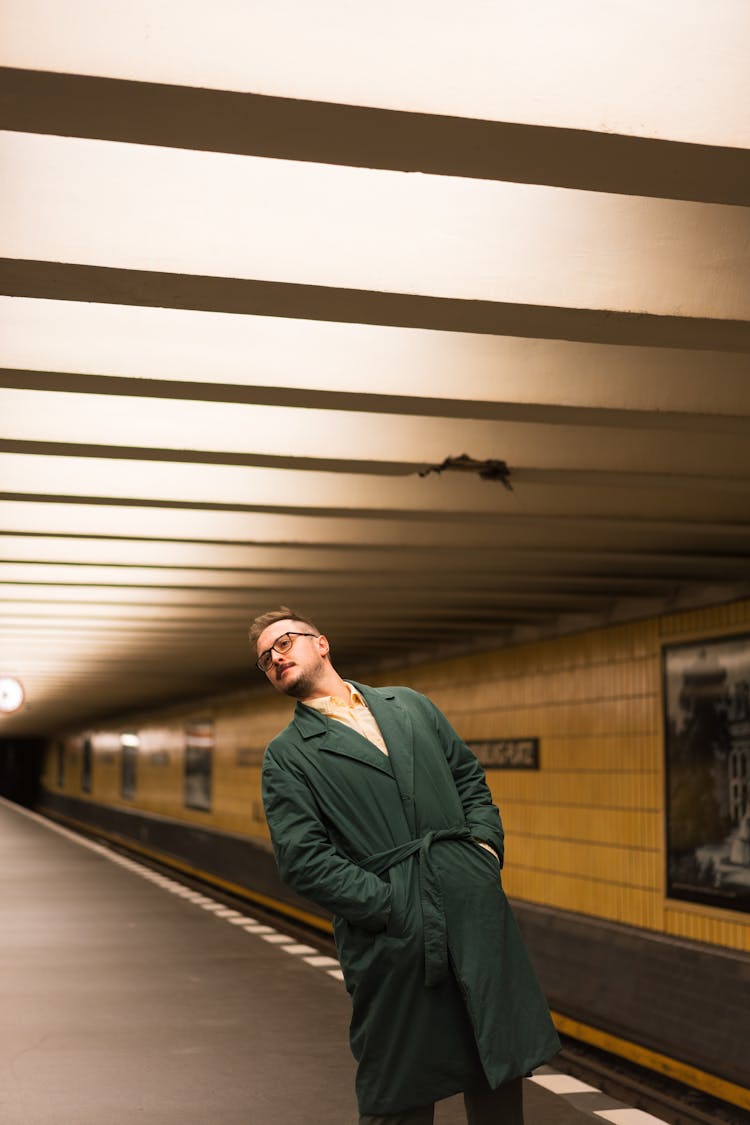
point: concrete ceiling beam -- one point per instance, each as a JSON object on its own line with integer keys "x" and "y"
{"x": 148, "y": 113}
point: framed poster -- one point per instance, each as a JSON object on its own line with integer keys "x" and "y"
{"x": 706, "y": 691}
{"x": 60, "y": 764}
{"x": 129, "y": 746}
{"x": 86, "y": 759}
{"x": 199, "y": 747}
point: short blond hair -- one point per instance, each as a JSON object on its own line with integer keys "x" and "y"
{"x": 283, "y": 613}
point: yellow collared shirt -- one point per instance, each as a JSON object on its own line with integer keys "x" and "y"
{"x": 355, "y": 714}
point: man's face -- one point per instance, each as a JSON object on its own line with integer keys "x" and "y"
{"x": 297, "y": 671}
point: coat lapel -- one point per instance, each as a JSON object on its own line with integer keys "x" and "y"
{"x": 337, "y": 738}
{"x": 397, "y": 730}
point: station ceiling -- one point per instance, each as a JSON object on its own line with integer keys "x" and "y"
{"x": 266, "y": 268}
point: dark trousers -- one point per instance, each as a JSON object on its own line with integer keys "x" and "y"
{"x": 503, "y": 1106}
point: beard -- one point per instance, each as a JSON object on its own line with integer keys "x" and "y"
{"x": 301, "y": 687}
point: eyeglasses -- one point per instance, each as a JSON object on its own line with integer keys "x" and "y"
{"x": 282, "y": 645}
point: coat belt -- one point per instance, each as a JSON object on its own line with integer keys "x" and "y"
{"x": 430, "y": 894}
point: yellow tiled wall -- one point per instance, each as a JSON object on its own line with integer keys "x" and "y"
{"x": 584, "y": 833}
{"x": 242, "y": 729}
{"x": 587, "y": 832}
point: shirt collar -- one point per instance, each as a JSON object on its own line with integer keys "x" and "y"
{"x": 328, "y": 703}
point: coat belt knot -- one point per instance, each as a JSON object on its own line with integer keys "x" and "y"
{"x": 430, "y": 894}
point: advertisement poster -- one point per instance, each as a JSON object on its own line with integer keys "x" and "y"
{"x": 199, "y": 745}
{"x": 129, "y": 746}
{"x": 707, "y": 733}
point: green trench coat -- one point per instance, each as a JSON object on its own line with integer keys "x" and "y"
{"x": 440, "y": 982}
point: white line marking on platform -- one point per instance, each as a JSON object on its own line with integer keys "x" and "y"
{"x": 188, "y": 894}
{"x": 563, "y": 1084}
{"x": 55, "y": 827}
{"x": 556, "y": 1083}
{"x": 627, "y": 1116}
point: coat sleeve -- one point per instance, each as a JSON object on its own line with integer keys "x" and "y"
{"x": 306, "y": 858}
{"x": 482, "y": 815}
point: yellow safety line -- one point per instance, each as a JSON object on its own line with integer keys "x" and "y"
{"x": 653, "y": 1060}
{"x": 634, "y": 1052}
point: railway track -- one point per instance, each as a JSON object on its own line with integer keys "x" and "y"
{"x": 643, "y": 1089}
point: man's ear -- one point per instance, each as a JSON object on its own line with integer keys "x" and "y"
{"x": 323, "y": 646}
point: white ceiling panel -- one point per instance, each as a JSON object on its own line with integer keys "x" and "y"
{"x": 254, "y": 352}
{"x": 582, "y": 566}
{"x": 673, "y": 69}
{"x": 264, "y": 265}
{"x": 128, "y": 206}
{"x": 349, "y": 460}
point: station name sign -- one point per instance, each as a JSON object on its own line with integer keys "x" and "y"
{"x": 507, "y": 753}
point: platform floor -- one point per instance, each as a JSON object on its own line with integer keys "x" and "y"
{"x": 125, "y": 997}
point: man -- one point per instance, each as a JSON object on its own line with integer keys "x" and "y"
{"x": 381, "y": 814}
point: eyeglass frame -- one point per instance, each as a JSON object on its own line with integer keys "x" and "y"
{"x": 268, "y": 651}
